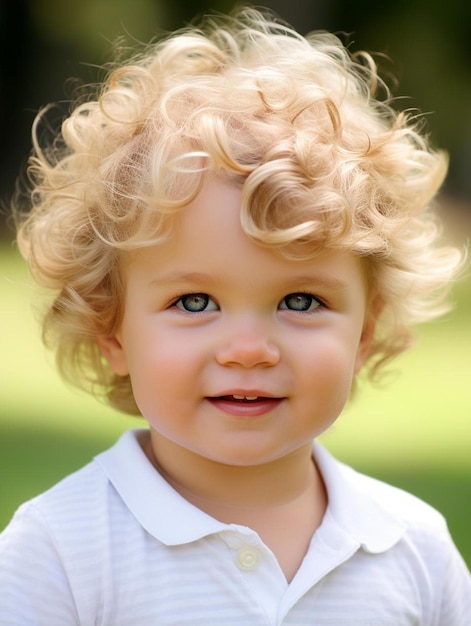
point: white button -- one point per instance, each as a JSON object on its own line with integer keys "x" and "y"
{"x": 247, "y": 558}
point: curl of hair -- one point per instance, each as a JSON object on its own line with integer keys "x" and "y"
{"x": 323, "y": 163}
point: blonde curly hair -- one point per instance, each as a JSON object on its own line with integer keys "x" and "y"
{"x": 322, "y": 161}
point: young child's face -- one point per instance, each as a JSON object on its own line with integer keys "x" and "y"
{"x": 236, "y": 354}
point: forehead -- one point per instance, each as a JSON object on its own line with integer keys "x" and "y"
{"x": 207, "y": 239}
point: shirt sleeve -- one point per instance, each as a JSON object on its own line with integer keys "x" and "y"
{"x": 34, "y": 589}
{"x": 455, "y": 608}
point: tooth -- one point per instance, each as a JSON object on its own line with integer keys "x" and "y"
{"x": 239, "y": 397}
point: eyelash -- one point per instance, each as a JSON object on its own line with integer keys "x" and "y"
{"x": 204, "y": 296}
{"x": 178, "y": 303}
{"x": 304, "y": 294}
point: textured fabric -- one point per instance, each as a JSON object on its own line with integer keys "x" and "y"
{"x": 115, "y": 545}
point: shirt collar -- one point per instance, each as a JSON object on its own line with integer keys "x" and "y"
{"x": 158, "y": 508}
{"x": 359, "y": 504}
{"x": 166, "y": 515}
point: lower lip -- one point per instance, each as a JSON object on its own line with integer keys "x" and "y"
{"x": 246, "y": 409}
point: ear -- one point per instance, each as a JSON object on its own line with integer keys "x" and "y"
{"x": 114, "y": 353}
{"x": 364, "y": 346}
{"x": 367, "y": 334}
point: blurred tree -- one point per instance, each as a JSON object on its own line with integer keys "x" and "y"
{"x": 429, "y": 42}
{"x": 33, "y": 71}
{"x": 15, "y": 69}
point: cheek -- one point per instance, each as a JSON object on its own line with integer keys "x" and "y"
{"x": 161, "y": 370}
{"x": 329, "y": 367}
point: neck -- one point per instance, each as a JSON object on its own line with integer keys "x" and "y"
{"x": 283, "y": 501}
{"x": 227, "y": 491}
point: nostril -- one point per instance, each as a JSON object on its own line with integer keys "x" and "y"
{"x": 248, "y": 353}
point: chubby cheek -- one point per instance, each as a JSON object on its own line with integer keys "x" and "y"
{"x": 328, "y": 375}
{"x": 161, "y": 377}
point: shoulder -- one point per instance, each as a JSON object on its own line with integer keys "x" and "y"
{"x": 399, "y": 503}
{"x": 425, "y": 552}
{"x": 57, "y": 545}
{"x": 349, "y": 489}
{"x": 71, "y": 511}
{"x": 378, "y": 515}
{"x": 52, "y": 542}
{"x": 63, "y": 510}
{"x": 78, "y": 503}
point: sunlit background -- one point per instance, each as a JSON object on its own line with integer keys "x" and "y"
{"x": 416, "y": 431}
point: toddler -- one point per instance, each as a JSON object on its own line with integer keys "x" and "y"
{"x": 231, "y": 230}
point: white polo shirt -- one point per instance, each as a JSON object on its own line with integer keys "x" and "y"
{"x": 115, "y": 545}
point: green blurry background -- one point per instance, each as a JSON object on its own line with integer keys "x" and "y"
{"x": 414, "y": 432}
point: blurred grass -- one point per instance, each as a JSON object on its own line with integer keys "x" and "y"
{"x": 414, "y": 433}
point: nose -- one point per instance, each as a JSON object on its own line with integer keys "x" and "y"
{"x": 247, "y": 346}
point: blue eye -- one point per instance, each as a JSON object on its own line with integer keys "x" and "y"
{"x": 299, "y": 302}
{"x": 196, "y": 303}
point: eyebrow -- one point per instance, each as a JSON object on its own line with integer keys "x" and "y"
{"x": 322, "y": 280}
{"x": 183, "y": 277}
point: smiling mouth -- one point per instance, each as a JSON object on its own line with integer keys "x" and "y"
{"x": 244, "y": 399}
{"x": 245, "y": 406}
